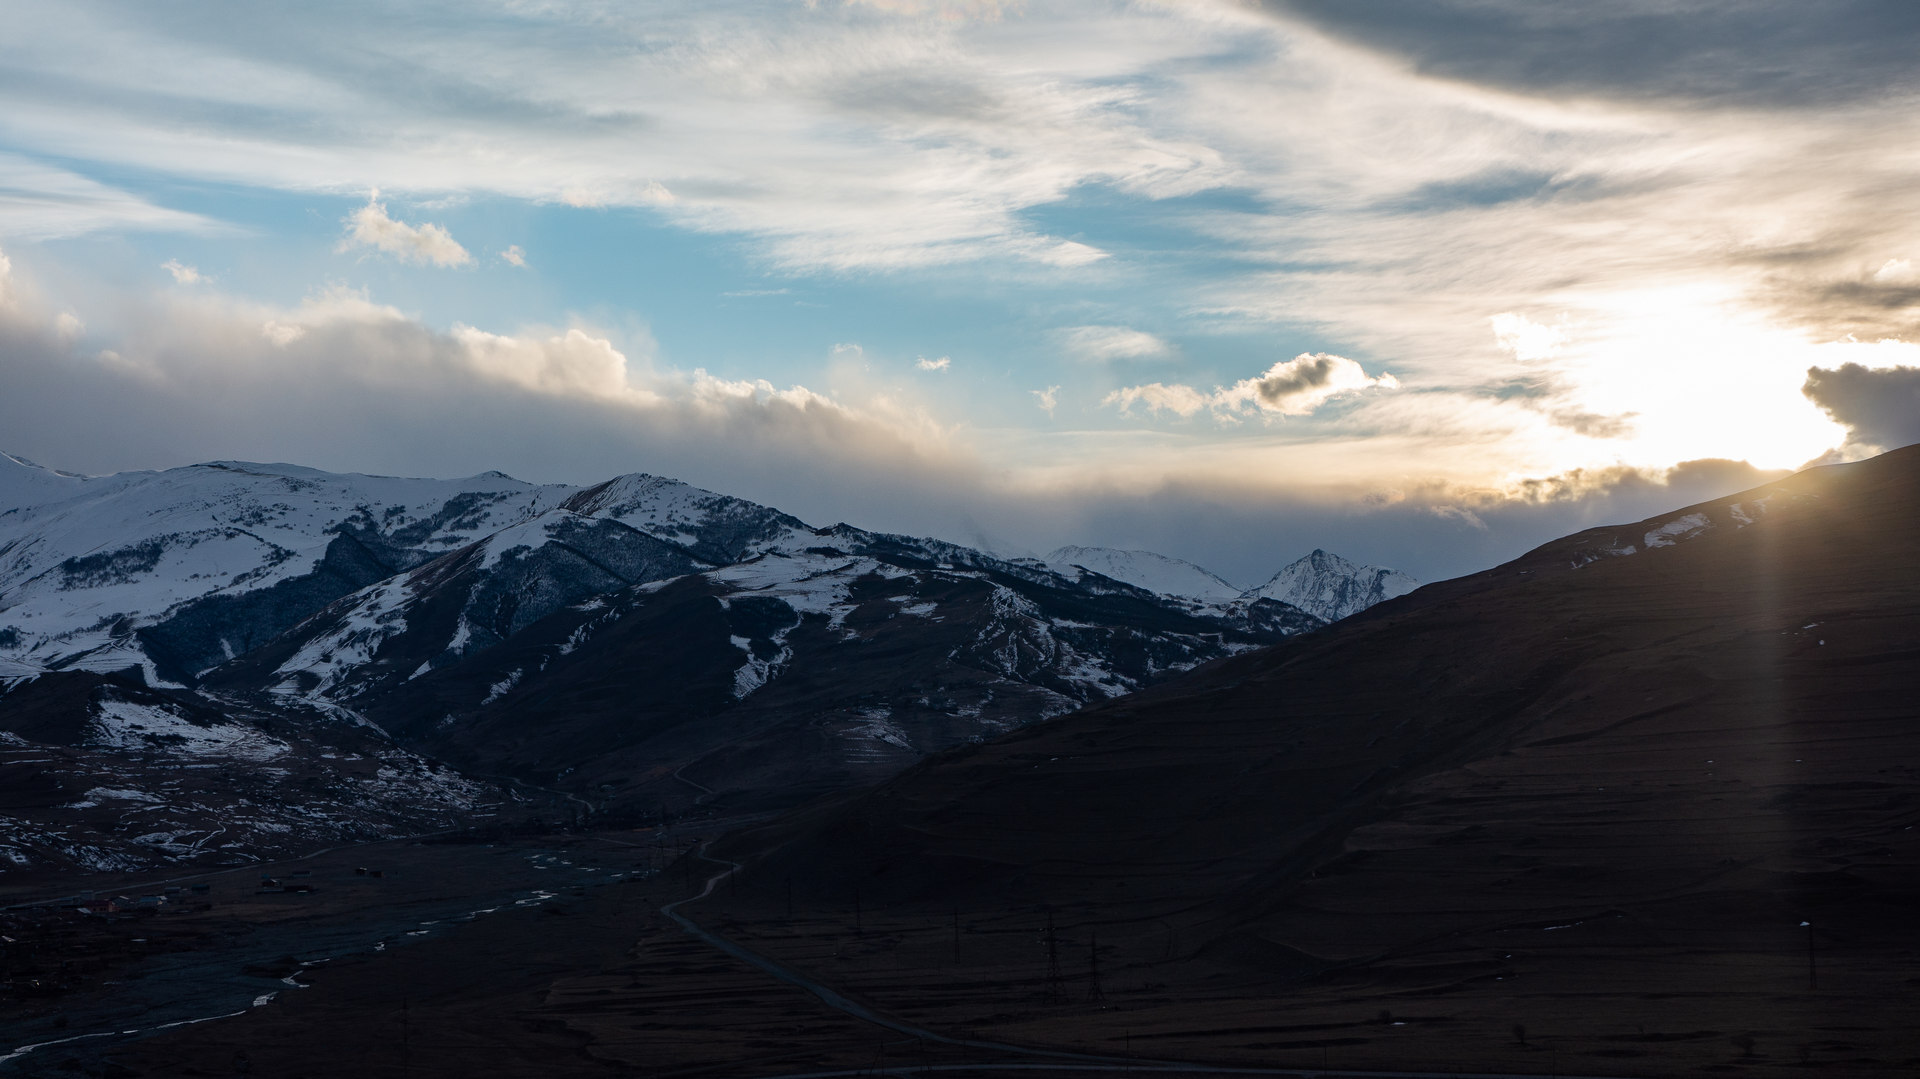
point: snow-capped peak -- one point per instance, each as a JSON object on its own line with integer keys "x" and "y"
{"x": 1327, "y": 585}
{"x": 717, "y": 528}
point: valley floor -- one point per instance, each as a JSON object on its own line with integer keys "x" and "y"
{"x": 575, "y": 968}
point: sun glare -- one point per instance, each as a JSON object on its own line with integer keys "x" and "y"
{"x": 1692, "y": 373}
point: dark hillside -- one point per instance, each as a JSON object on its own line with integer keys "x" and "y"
{"x": 1604, "y": 788}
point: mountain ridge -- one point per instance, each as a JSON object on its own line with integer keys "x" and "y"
{"x": 614, "y": 640}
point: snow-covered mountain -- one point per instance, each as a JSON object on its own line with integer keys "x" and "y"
{"x": 1322, "y": 584}
{"x": 1145, "y": 569}
{"x": 176, "y": 571}
{"x": 578, "y": 650}
{"x": 1331, "y": 587}
{"x": 641, "y": 640}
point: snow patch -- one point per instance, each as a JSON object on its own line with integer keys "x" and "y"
{"x": 157, "y": 729}
{"x": 755, "y": 672}
{"x": 502, "y": 687}
{"x": 116, "y": 794}
{"x": 1680, "y": 528}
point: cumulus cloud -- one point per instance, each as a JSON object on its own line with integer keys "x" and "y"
{"x": 1896, "y": 272}
{"x": 1298, "y": 386}
{"x": 1159, "y": 397}
{"x": 1049, "y": 398}
{"x": 342, "y": 381}
{"x": 1879, "y": 407}
{"x": 1295, "y": 387}
{"x": 1526, "y": 339}
{"x": 513, "y": 256}
{"x": 940, "y": 364}
{"x": 182, "y": 273}
{"x": 1105, "y": 344}
{"x": 371, "y": 227}
{"x": 282, "y": 334}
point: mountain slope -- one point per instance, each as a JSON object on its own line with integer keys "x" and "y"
{"x": 1145, "y": 569}
{"x": 101, "y": 772}
{"x": 788, "y": 674}
{"x": 1595, "y": 792}
{"x": 176, "y": 571}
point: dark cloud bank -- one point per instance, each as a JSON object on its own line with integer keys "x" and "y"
{"x": 1743, "y": 53}
{"x": 1879, "y": 406}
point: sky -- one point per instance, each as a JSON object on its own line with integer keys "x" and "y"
{"x": 1423, "y": 282}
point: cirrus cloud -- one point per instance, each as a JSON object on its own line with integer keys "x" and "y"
{"x": 948, "y": 10}
{"x": 1105, "y": 344}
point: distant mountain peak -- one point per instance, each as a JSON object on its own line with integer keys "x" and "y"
{"x": 1327, "y": 585}
{"x": 1321, "y": 583}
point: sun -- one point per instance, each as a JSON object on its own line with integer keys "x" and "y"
{"x": 1692, "y": 372}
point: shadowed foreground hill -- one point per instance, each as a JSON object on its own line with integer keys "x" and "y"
{"x": 1581, "y": 804}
